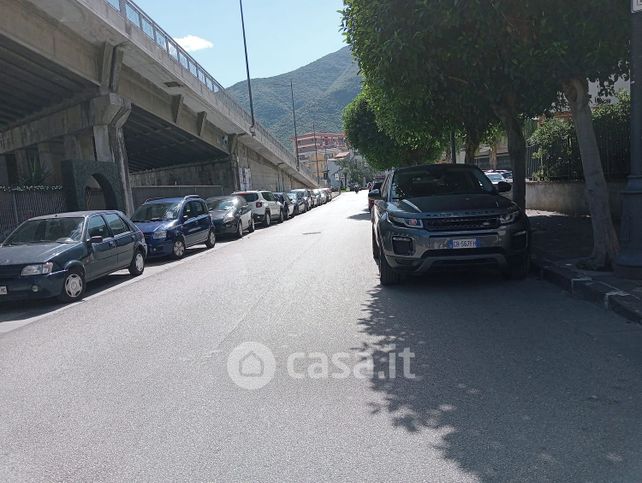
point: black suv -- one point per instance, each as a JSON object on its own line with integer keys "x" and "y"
{"x": 445, "y": 216}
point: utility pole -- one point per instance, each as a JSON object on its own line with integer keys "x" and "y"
{"x": 296, "y": 136}
{"x": 316, "y": 153}
{"x": 629, "y": 262}
{"x": 247, "y": 70}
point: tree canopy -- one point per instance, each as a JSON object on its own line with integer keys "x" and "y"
{"x": 380, "y": 149}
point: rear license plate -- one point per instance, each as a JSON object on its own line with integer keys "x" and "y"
{"x": 464, "y": 243}
{"x": 3, "y": 290}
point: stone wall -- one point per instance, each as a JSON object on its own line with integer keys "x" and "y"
{"x": 568, "y": 197}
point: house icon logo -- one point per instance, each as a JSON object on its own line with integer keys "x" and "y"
{"x": 251, "y": 365}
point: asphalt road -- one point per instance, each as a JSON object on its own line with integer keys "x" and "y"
{"x": 513, "y": 381}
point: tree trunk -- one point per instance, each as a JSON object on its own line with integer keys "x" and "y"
{"x": 516, "y": 149}
{"x": 471, "y": 149}
{"x": 605, "y": 242}
{"x": 492, "y": 155}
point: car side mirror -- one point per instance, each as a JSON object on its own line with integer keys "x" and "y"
{"x": 504, "y": 187}
{"x": 95, "y": 240}
{"x": 374, "y": 194}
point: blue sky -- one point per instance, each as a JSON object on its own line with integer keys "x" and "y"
{"x": 282, "y": 34}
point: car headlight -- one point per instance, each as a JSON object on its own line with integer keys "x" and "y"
{"x": 160, "y": 235}
{"x": 406, "y": 222}
{"x": 510, "y": 217}
{"x": 38, "y": 269}
{"x": 229, "y": 217}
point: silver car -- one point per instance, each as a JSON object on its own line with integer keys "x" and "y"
{"x": 446, "y": 216}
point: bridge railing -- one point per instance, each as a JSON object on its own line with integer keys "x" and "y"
{"x": 137, "y": 17}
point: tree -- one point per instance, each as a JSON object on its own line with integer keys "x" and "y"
{"x": 380, "y": 149}
{"x": 453, "y": 58}
{"x": 581, "y": 41}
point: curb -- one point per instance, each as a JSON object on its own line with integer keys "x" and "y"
{"x": 583, "y": 287}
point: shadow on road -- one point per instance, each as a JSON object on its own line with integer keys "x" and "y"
{"x": 514, "y": 392}
{"x": 363, "y": 216}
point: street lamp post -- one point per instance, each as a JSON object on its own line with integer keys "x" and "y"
{"x": 247, "y": 70}
{"x": 629, "y": 262}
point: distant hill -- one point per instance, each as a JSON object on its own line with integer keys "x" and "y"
{"x": 321, "y": 90}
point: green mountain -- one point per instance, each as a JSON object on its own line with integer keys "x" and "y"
{"x": 321, "y": 90}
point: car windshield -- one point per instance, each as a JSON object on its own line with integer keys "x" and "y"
{"x": 224, "y": 204}
{"x": 249, "y": 197}
{"x": 439, "y": 180}
{"x": 156, "y": 212}
{"x": 293, "y": 196}
{"x": 49, "y": 230}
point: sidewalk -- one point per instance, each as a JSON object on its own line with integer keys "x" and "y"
{"x": 559, "y": 241}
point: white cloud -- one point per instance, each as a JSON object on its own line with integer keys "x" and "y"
{"x": 192, "y": 43}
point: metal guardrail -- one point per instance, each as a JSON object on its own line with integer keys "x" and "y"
{"x": 137, "y": 17}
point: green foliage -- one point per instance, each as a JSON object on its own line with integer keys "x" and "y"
{"x": 321, "y": 91}
{"x": 573, "y": 39}
{"x": 558, "y": 150}
{"x": 381, "y": 150}
{"x": 356, "y": 170}
{"x": 33, "y": 173}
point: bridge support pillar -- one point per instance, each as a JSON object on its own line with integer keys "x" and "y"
{"x": 91, "y": 130}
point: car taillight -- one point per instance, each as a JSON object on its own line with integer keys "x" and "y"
{"x": 259, "y": 204}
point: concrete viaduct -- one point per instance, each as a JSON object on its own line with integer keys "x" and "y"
{"x": 94, "y": 92}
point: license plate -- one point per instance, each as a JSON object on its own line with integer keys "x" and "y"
{"x": 464, "y": 243}
{"x": 3, "y": 290}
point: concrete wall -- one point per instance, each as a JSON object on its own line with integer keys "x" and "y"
{"x": 567, "y": 197}
{"x": 265, "y": 175}
{"x": 218, "y": 173}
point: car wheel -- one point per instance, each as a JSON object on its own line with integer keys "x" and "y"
{"x": 519, "y": 269}
{"x": 73, "y": 286}
{"x": 137, "y": 265}
{"x": 252, "y": 227}
{"x": 211, "y": 239}
{"x": 239, "y": 229}
{"x": 387, "y": 276}
{"x": 268, "y": 219}
{"x": 178, "y": 249}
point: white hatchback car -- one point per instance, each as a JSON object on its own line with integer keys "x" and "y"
{"x": 265, "y": 207}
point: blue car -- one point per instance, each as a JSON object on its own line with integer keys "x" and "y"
{"x": 171, "y": 225}
{"x": 56, "y": 255}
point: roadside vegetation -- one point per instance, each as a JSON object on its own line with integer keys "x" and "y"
{"x": 431, "y": 68}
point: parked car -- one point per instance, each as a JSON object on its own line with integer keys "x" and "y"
{"x": 446, "y": 216}
{"x": 307, "y": 197}
{"x": 286, "y": 204}
{"x": 57, "y": 255}
{"x": 231, "y": 215}
{"x": 328, "y": 193}
{"x": 495, "y": 178}
{"x": 299, "y": 202}
{"x": 171, "y": 225}
{"x": 375, "y": 186}
{"x": 265, "y": 207}
{"x": 317, "y": 196}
